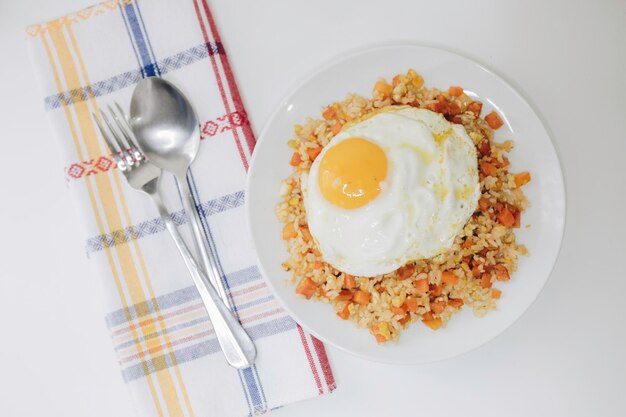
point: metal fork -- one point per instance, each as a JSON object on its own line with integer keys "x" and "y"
{"x": 144, "y": 176}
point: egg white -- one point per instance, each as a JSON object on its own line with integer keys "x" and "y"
{"x": 430, "y": 192}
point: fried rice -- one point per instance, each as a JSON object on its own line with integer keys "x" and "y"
{"x": 483, "y": 256}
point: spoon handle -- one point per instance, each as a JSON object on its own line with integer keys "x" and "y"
{"x": 238, "y": 348}
{"x": 207, "y": 258}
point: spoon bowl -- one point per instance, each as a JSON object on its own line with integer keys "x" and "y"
{"x": 165, "y": 124}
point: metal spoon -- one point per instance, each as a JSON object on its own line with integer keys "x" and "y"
{"x": 167, "y": 130}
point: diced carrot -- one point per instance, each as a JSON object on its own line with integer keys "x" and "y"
{"x": 289, "y": 231}
{"x": 427, "y": 316}
{"x": 502, "y": 273}
{"x": 316, "y": 252}
{"x": 488, "y": 169}
{"x": 453, "y": 110}
{"x": 380, "y": 289}
{"x": 493, "y": 120}
{"x": 467, "y": 243}
{"x": 400, "y": 311}
{"x": 349, "y": 281}
{"x": 476, "y": 270}
{"x": 522, "y": 178}
{"x": 306, "y": 287}
{"x": 495, "y": 293}
{"x": 422, "y": 285}
{"x": 381, "y": 332}
{"x": 322, "y": 293}
{"x": 442, "y": 107}
{"x": 306, "y": 234}
{"x": 455, "y": 91}
{"x": 344, "y": 295}
{"x": 433, "y": 323}
{"x": 406, "y": 271}
{"x": 475, "y": 107}
{"x": 295, "y": 159}
{"x": 435, "y": 290}
{"x": 336, "y": 128}
{"x": 484, "y": 147}
{"x": 411, "y": 304}
{"x": 457, "y": 120}
{"x": 437, "y": 307}
{"x": 448, "y": 277}
{"x": 455, "y": 302}
{"x": 313, "y": 152}
{"x": 506, "y": 218}
{"x": 345, "y": 312}
{"x": 518, "y": 218}
{"x": 383, "y": 88}
{"x": 485, "y": 280}
{"x": 380, "y": 338}
{"x": 329, "y": 113}
{"x": 317, "y": 265}
{"x": 361, "y": 297}
{"x": 404, "y": 319}
{"x": 483, "y": 204}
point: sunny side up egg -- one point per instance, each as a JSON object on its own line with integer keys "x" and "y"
{"x": 395, "y": 187}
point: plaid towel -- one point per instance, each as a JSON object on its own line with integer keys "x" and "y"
{"x": 165, "y": 344}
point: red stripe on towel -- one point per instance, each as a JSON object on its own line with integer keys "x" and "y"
{"x": 232, "y": 85}
{"x": 220, "y": 84}
{"x": 320, "y": 350}
{"x": 309, "y": 357}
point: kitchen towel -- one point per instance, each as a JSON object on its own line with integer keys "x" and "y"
{"x": 165, "y": 345}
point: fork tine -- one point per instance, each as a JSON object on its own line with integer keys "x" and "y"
{"x": 124, "y": 125}
{"x": 122, "y": 112}
{"x": 120, "y": 129}
{"x": 113, "y": 148}
{"x": 114, "y": 133}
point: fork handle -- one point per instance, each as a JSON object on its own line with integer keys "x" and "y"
{"x": 237, "y": 346}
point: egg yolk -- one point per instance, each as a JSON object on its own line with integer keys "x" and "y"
{"x": 351, "y": 171}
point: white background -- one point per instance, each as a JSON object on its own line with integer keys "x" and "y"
{"x": 565, "y": 357}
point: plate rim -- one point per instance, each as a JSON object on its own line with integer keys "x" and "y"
{"x": 292, "y": 91}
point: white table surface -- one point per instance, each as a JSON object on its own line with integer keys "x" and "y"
{"x": 565, "y": 357}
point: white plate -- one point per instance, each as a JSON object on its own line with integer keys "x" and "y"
{"x": 534, "y": 152}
